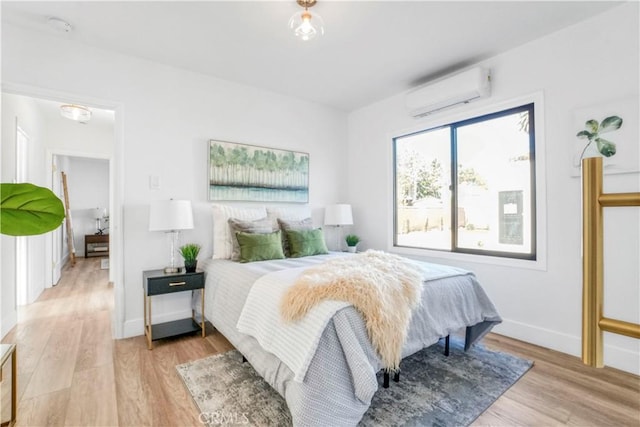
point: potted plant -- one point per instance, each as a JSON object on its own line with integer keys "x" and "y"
{"x": 190, "y": 253}
{"x": 352, "y": 242}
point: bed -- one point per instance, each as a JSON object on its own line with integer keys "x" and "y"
{"x": 341, "y": 377}
{"x": 340, "y": 380}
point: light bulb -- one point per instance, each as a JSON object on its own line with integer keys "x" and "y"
{"x": 305, "y": 26}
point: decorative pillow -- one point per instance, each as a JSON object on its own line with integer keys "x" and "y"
{"x": 222, "y": 246}
{"x": 259, "y": 226}
{"x": 259, "y": 247}
{"x": 297, "y": 225}
{"x": 306, "y": 242}
{"x": 288, "y": 213}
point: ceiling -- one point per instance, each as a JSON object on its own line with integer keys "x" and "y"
{"x": 371, "y": 50}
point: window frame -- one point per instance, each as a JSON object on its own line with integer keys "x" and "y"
{"x": 536, "y": 257}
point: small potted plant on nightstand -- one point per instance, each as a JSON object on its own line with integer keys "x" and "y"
{"x": 190, "y": 253}
{"x": 352, "y": 242}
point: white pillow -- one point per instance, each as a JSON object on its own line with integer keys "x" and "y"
{"x": 296, "y": 213}
{"x": 222, "y": 244}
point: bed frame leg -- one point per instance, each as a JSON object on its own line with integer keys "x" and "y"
{"x": 396, "y": 376}
{"x": 446, "y": 346}
{"x": 244, "y": 359}
{"x": 385, "y": 381}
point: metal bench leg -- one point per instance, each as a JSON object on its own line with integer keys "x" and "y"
{"x": 385, "y": 382}
{"x": 446, "y": 346}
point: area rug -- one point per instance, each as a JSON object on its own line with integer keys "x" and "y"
{"x": 434, "y": 390}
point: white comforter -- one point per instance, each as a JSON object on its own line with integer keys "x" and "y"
{"x": 293, "y": 343}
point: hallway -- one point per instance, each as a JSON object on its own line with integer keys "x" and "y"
{"x": 65, "y": 351}
{"x": 71, "y": 371}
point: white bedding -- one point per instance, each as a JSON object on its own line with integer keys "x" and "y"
{"x": 293, "y": 343}
{"x": 340, "y": 380}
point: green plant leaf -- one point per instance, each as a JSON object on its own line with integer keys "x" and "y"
{"x": 27, "y": 210}
{"x": 585, "y": 134}
{"x": 190, "y": 251}
{"x": 606, "y": 148}
{"x": 352, "y": 239}
{"x": 592, "y": 125}
{"x": 610, "y": 124}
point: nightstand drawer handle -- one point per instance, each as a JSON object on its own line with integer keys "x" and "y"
{"x": 177, "y": 283}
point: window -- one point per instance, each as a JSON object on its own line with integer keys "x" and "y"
{"x": 469, "y": 186}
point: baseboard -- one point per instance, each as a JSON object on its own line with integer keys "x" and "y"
{"x": 135, "y": 327}
{"x": 615, "y": 357}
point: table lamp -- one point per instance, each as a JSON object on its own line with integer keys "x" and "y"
{"x": 338, "y": 215}
{"x": 171, "y": 216}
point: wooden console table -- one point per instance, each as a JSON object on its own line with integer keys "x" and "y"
{"x": 96, "y": 245}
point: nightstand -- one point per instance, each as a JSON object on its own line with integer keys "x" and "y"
{"x": 8, "y": 352}
{"x": 157, "y": 282}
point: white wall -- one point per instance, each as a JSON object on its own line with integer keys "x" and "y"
{"x": 94, "y": 139}
{"x": 28, "y": 117}
{"x": 168, "y": 116}
{"x": 587, "y": 64}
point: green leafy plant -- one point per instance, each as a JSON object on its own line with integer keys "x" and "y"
{"x": 28, "y": 210}
{"x": 593, "y": 132}
{"x": 190, "y": 252}
{"x": 352, "y": 240}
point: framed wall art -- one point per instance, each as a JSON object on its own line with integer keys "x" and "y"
{"x": 611, "y": 127}
{"x": 241, "y": 172}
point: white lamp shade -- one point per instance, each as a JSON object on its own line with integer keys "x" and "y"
{"x": 170, "y": 215}
{"x": 338, "y": 215}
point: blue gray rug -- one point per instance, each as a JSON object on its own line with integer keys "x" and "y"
{"x": 434, "y": 390}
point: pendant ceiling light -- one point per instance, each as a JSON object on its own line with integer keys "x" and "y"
{"x": 75, "y": 112}
{"x": 305, "y": 25}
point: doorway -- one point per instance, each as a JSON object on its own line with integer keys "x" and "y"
{"x": 48, "y": 134}
{"x": 88, "y": 190}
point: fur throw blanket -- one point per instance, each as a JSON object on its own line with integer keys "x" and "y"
{"x": 384, "y": 288}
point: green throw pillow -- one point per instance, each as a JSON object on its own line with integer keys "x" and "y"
{"x": 306, "y": 242}
{"x": 259, "y": 247}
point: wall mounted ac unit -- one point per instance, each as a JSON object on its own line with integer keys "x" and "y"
{"x": 460, "y": 88}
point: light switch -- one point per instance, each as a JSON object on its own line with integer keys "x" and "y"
{"x": 154, "y": 182}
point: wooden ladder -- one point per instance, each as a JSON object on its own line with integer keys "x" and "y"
{"x": 594, "y": 323}
{"x": 72, "y": 249}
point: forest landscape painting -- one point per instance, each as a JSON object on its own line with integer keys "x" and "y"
{"x": 241, "y": 172}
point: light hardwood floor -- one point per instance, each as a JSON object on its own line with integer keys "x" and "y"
{"x": 70, "y": 371}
